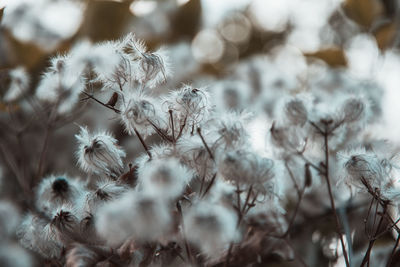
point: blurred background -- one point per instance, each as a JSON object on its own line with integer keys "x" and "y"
{"x": 210, "y": 38}
{"x": 264, "y": 46}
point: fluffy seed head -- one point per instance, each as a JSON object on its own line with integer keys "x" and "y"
{"x": 211, "y": 226}
{"x": 245, "y": 168}
{"x": 355, "y": 109}
{"x": 105, "y": 191}
{"x": 165, "y": 178}
{"x": 54, "y": 191}
{"x": 99, "y": 153}
{"x": 296, "y": 111}
{"x": 364, "y": 169}
{"x": 190, "y": 106}
{"x": 140, "y": 112}
{"x": 230, "y": 130}
{"x": 144, "y": 218}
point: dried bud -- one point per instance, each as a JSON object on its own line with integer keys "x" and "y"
{"x": 113, "y": 100}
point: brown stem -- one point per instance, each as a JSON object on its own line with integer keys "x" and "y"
{"x": 239, "y": 209}
{"x": 246, "y": 202}
{"x": 293, "y": 179}
{"x": 202, "y": 184}
{"x": 181, "y": 129}
{"x": 249, "y": 206}
{"x": 372, "y": 241}
{"x": 160, "y": 132}
{"x": 172, "y": 124}
{"x": 366, "y": 219}
{"x": 187, "y": 248}
{"x": 143, "y": 143}
{"x": 294, "y": 213}
{"x": 205, "y": 144}
{"x": 210, "y": 185}
{"x": 393, "y": 251}
{"x": 332, "y": 200}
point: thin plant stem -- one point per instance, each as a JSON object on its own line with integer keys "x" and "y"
{"x": 372, "y": 241}
{"x": 172, "y": 125}
{"x": 393, "y": 251}
{"x": 143, "y": 143}
{"x": 205, "y": 144}
{"x": 294, "y": 213}
{"x": 293, "y": 179}
{"x": 212, "y": 182}
{"x": 187, "y": 247}
{"x": 332, "y": 199}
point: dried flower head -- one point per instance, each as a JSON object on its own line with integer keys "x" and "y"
{"x": 104, "y": 191}
{"x": 195, "y": 156}
{"x": 190, "y": 106}
{"x": 295, "y": 110}
{"x": 355, "y": 110}
{"x": 154, "y": 68}
{"x": 61, "y": 88}
{"x": 66, "y": 220}
{"x": 230, "y": 130}
{"x": 99, "y": 153}
{"x": 141, "y": 113}
{"x": 37, "y": 234}
{"x": 149, "y": 69}
{"x": 133, "y": 215}
{"x": 54, "y": 191}
{"x": 287, "y": 139}
{"x": 164, "y": 178}
{"x": 363, "y": 169}
{"x": 244, "y": 168}
{"x": 158, "y": 152}
{"x": 211, "y": 226}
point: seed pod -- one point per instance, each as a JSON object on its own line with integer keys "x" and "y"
{"x": 113, "y": 100}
